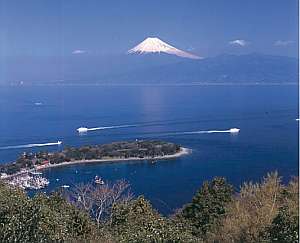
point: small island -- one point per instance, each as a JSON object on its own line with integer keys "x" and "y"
{"x": 30, "y": 163}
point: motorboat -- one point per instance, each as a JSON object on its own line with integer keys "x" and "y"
{"x": 98, "y": 180}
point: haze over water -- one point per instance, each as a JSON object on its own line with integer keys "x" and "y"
{"x": 266, "y": 115}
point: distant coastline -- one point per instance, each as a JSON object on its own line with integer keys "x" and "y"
{"x": 87, "y": 84}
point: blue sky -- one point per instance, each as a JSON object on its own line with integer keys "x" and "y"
{"x": 98, "y": 27}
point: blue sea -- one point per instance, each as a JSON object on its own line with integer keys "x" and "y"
{"x": 266, "y": 115}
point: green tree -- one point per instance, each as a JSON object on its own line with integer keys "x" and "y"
{"x": 208, "y": 205}
{"x": 137, "y": 221}
{"x": 41, "y": 219}
{"x": 17, "y": 215}
{"x": 284, "y": 228}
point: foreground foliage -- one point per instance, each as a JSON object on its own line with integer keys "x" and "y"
{"x": 41, "y": 219}
{"x": 208, "y": 206}
{"x": 260, "y": 212}
{"x": 137, "y": 221}
{"x": 253, "y": 215}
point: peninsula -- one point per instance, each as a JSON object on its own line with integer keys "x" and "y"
{"x": 113, "y": 152}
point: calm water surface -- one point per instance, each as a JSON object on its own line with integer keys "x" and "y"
{"x": 266, "y": 115}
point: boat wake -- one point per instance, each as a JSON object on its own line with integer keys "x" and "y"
{"x": 231, "y": 130}
{"x": 85, "y": 129}
{"x": 31, "y": 145}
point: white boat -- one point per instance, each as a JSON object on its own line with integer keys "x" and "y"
{"x": 65, "y": 186}
{"x": 29, "y": 182}
{"x": 36, "y": 173}
{"x": 234, "y": 130}
{"x": 82, "y": 129}
{"x": 98, "y": 180}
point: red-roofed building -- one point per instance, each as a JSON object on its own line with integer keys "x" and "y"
{"x": 45, "y": 162}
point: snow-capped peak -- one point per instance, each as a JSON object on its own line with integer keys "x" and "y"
{"x": 155, "y": 45}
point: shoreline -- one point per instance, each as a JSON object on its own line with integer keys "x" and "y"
{"x": 156, "y": 84}
{"x": 183, "y": 151}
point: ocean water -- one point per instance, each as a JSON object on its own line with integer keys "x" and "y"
{"x": 266, "y": 115}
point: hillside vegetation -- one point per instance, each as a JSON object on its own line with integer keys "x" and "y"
{"x": 260, "y": 212}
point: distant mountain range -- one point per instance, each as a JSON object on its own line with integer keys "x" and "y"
{"x": 153, "y": 68}
{"x": 251, "y": 68}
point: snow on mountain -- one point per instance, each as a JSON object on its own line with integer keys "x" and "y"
{"x": 155, "y": 45}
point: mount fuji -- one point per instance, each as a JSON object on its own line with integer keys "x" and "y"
{"x": 151, "y": 62}
{"x": 155, "y": 45}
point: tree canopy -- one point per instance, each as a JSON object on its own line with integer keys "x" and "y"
{"x": 260, "y": 212}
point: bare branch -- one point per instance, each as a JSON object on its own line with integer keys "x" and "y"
{"x": 98, "y": 200}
